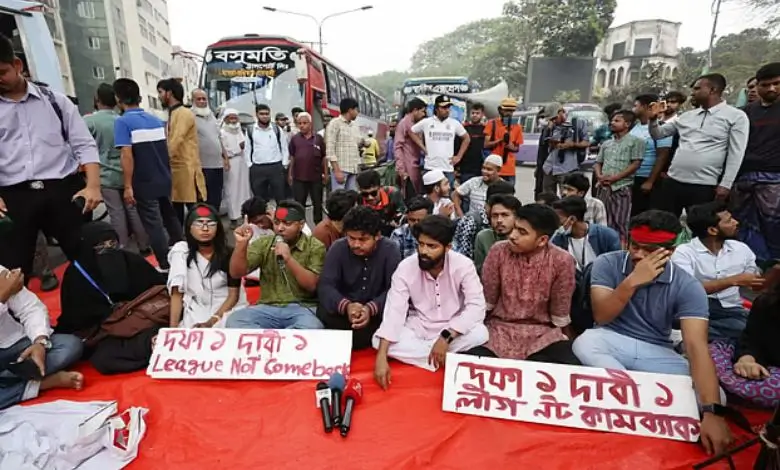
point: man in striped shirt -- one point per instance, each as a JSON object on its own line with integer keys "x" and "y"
{"x": 342, "y": 146}
{"x": 140, "y": 136}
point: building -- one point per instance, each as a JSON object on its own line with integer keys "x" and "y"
{"x": 52, "y": 16}
{"x": 186, "y": 68}
{"x": 110, "y": 39}
{"x": 627, "y": 48}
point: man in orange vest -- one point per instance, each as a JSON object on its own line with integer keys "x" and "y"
{"x": 504, "y": 138}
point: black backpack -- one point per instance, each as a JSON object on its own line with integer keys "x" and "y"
{"x": 581, "y": 308}
{"x": 251, "y": 130}
{"x": 57, "y": 109}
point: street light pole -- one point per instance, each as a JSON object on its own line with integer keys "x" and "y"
{"x": 716, "y": 13}
{"x": 318, "y": 22}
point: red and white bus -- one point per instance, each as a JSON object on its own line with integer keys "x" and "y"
{"x": 243, "y": 71}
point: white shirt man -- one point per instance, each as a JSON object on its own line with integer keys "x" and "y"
{"x": 439, "y": 133}
{"x": 26, "y": 334}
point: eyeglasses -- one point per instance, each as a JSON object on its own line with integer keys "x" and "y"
{"x": 372, "y": 193}
{"x": 203, "y": 224}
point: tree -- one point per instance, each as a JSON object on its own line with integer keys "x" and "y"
{"x": 567, "y": 96}
{"x": 738, "y": 56}
{"x": 565, "y": 28}
{"x": 385, "y": 83}
{"x": 485, "y": 51}
{"x": 769, "y": 9}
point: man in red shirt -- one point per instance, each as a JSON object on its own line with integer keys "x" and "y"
{"x": 405, "y": 151}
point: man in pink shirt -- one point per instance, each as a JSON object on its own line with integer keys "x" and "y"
{"x": 435, "y": 304}
{"x": 405, "y": 151}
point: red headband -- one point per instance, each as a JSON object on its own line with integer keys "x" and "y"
{"x": 644, "y": 235}
{"x": 203, "y": 211}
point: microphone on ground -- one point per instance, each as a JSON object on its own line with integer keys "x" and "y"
{"x": 336, "y": 384}
{"x": 323, "y": 398}
{"x": 353, "y": 394}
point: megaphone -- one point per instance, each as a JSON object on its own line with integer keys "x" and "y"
{"x": 491, "y": 97}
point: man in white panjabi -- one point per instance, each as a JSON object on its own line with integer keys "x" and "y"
{"x": 237, "y": 175}
{"x": 435, "y": 304}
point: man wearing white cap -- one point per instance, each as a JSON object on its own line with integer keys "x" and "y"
{"x": 437, "y": 189}
{"x": 237, "y": 173}
{"x": 476, "y": 188}
{"x": 438, "y": 140}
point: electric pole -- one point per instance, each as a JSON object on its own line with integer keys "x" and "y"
{"x": 716, "y": 13}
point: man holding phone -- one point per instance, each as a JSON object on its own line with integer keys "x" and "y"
{"x": 35, "y": 358}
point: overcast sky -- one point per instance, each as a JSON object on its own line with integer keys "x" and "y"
{"x": 384, "y": 38}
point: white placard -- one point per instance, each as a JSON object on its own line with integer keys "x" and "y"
{"x": 639, "y": 403}
{"x": 208, "y": 353}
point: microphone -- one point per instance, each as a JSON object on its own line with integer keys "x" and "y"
{"x": 336, "y": 384}
{"x": 354, "y": 394}
{"x": 323, "y": 399}
{"x": 277, "y": 240}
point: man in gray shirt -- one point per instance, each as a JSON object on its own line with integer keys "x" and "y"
{"x": 712, "y": 138}
{"x": 213, "y": 157}
{"x": 567, "y": 138}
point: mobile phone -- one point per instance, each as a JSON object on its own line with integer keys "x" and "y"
{"x": 26, "y": 369}
{"x": 6, "y": 224}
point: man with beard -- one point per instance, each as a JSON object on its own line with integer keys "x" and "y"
{"x": 44, "y": 141}
{"x": 435, "y": 304}
{"x": 722, "y": 264}
{"x": 213, "y": 159}
{"x": 528, "y": 289}
{"x": 437, "y": 188}
{"x": 189, "y": 185}
{"x": 503, "y": 210}
{"x": 713, "y": 139}
{"x": 406, "y": 150}
{"x": 636, "y": 295}
{"x": 290, "y": 265}
{"x": 756, "y": 196}
{"x": 236, "y": 173}
{"x": 385, "y": 200}
{"x": 356, "y": 277}
{"x": 269, "y": 155}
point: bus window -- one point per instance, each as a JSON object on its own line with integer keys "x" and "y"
{"x": 366, "y": 103}
{"x": 352, "y": 90}
{"x": 528, "y": 124}
{"x": 333, "y": 86}
{"x": 344, "y": 91}
{"x": 377, "y": 108}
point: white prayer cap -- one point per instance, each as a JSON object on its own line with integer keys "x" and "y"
{"x": 433, "y": 177}
{"x": 495, "y": 160}
{"x": 230, "y": 112}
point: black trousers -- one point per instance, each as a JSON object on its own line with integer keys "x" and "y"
{"x": 361, "y": 339}
{"x": 677, "y": 196}
{"x": 302, "y": 190}
{"x": 268, "y": 181}
{"x": 556, "y": 353}
{"x": 33, "y": 206}
{"x": 642, "y": 201}
{"x": 215, "y": 180}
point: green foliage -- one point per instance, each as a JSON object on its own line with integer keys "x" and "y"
{"x": 567, "y": 96}
{"x": 385, "y": 83}
{"x": 565, "y": 28}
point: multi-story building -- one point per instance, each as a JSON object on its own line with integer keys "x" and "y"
{"x": 52, "y": 16}
{"x": 186, "y": 68}
{"x": 627, "y": 48}
{"x": 109, "y": 39}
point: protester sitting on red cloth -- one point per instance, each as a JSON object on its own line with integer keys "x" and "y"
{"x": 635, "y": 296}
{"x": 386, "y": 200}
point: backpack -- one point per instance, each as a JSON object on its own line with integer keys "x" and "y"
{"x": 57, "y": 109}
{"x": 582, "y": 154}
{"x": 581, "y": 308}
{"x": 250, "y": 134}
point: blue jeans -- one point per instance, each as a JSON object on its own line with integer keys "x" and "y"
{"x": 349, "y": 182}
{"x": 65, "y": 351}
{"x": 274, "y": 317}
{"x": 726, "y": 323}
{"x": 602, "y": 347}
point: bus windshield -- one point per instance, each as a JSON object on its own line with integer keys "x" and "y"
{"x": 241, "y": 77}
{"x": 594, "y": 118}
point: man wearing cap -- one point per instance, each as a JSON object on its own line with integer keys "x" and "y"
{"x": 438, "y": 141}
{"x": 636, "y": 295}
{"x": 504, "y": 139}
{"x": 567, "y": 140}
{"x": 476, "y": 188}
{"x": 290, "y": 265}
{"x": 405, "y": 150}
{"x": 437, "y": 189}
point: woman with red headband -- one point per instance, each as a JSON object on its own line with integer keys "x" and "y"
{"x": 636, "y": 295}
{"x": 202, "y": 291}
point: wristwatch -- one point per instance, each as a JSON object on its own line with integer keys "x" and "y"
{"x": 447, "y": 335}
{"x": 45, "y": 342}
{"x": 714, "y": 408}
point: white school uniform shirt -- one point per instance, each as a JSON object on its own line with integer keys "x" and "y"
{"x": 202, "y": 294}
{"x": 734, "y": 258}
{"x": 30, "y": 317}
{"x": 439, "y": 137}
{"x": 267, "y": 149}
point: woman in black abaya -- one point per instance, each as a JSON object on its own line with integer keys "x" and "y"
{"x": 120, "y": 276}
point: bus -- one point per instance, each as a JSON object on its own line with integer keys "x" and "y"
{"x": 592, "y": 114}
{"x": 241, "y": 72}
{"x": 427, "y": 88}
